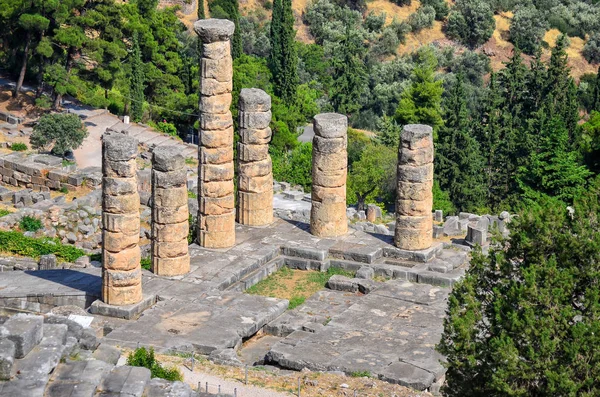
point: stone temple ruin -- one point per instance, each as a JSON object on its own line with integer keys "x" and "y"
{"x": 386, "y": 320}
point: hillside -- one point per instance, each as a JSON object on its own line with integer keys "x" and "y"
{"x": 498, "y": 48}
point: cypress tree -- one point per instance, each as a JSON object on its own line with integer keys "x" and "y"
{"x": 201, "y": 11}
{"x": 232, "y": 9}
{"x": 459, "y": 159}
{"x": 137, "y": 80}
{"x": 284, "y": 57}
{"x": 596, "y": 100}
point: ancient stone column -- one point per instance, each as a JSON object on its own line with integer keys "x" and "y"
{"x": 255, "y": 174}
{"x": 170, "y": 213}
{"x": 121, "y": 272}
{"x": 414, "y": 200}
{"x": 329, "y": 170}
{"x": 216, "y": 204}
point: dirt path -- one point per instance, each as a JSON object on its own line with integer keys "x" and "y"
{"x": 90, "y": 152}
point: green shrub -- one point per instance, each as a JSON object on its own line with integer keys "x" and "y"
{"x": 30, "y": 224}
{"x": 4, "y": 212}
{"x": 64, "y": 190}
{"x": 16, "y": 243}
{"x": 146, "y": 263}
{"x": 143, "y": 357}
{"x": 18, "y": 147}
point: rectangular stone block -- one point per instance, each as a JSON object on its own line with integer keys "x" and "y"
{"x": 329, "y": 145}
{"x": 170, "y": 214}
{"x": 416, "y": 157}
{"x": 260, "y": 217}
{"x": 124, "y": 260}
{"x": 415, "y": 191}
{"x": 216, "y": 205}
{"x": 169, "y": 179}
{"x": 170, "y": 267}
{"x": 7, "y": 358}
{"x": 255, "y": 120}
{"x": 254, "y": 136}
{"x": 119, "y": 169}
{"x": 6, "y": 172}
{"x": 121, "y": 223}
{"x": 215, "y": 103}
{"x": 414, "y": 207}
{"x": 170, "y": 232}
{"x": 250, "y": 153}
{"x": 22, "y": 177}
{"x": 217, "y": 172}
{"x": 219, "y": 69}
{"x": 256, "y": 168}
{"x": 57, "y": 175}
{"x": 329, "y": 178}
{"x": 328, "y": 194}
{"x": 214, "y": 87}
{"x": 169, "y": 249}
{"x": 255, "y": 184}
{"x": 171, "y": 197}
{"x": 214, "y": 121}
{"x": 215, "y": 188}
{"x": 25, "y": 331}
{"x": 123, "y": 204}
{"x": 255, "y": 201}
{"x": 218, "y": 155}
{"x": 75, "y": 180}
{"x": 116, "y": 242}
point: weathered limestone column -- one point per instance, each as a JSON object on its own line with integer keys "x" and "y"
{"x": 121, "y": 272}
{"x": 414, "y": 200}
{"x": 216, "y": 204}
{"x": 255, "y": 174}
{"x": 170, "y": 213}
{"x": 329, "y": 170}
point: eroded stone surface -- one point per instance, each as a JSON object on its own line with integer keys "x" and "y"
{"x": 414, "y": 197}
{"x": 255, "y": 177}
{"x": 216, "y": 214}
{"x": 169, "y": 233}
{"x": 121, "y": 275}
{"x": 329, "y": 169}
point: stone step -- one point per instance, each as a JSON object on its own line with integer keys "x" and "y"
{"x": 124, "y": 381}
{"x": 162, "y": 388}
{"x": 39, "y": 363}
{"x": 254, "y": 277}
{"x": 77, "y": 378}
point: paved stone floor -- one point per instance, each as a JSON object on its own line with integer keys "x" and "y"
{"x": 390, "y": 332}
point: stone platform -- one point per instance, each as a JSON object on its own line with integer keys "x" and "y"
{"x": 390, "y": 332}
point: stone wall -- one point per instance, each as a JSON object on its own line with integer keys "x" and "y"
{"x": 44, "y": 173}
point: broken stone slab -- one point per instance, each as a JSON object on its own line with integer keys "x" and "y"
{"x": 127, "y": 312}
{"x": 125, "y": 381}
{"x": 107, "y": 353}
{"x": 40, "y": 362}
{"x": 365, "y": 272}
{"x": 55, "y": 335}
{"x": 25, "y": 331}
{"x": 77, "y": 378}
{"x": 24, "y": 388}
{"x": 342, "y": 283}
{"x": 438, "y": 216}
{"x": 7, "y": 358}
{"x": 225, "y": 357}
{"x": 163, "y": 388}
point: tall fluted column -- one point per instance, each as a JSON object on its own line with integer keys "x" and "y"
{"x": 216, "y": 204}
{"x": 170, "y": 226}
{"x": 121, "y": 272}
{"x": 255, "y": 174}
{"x": 329, "y": 170}
{"x": 414, "y": 201}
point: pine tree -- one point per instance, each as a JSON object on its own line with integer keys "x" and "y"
{"x": 421, "y": 102}
{"x": 388, "y": 131}
{"x": 284, "y": 57}
{"x": 553, "y": 169}
{"x": 459, "y": 162}
{"x": 525, "y": 319}
{"x": 596, "y": 100}
{"x": 137, "y": 81}
{"x": 349, "y": 73}
{"x": 201, "y": 11}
